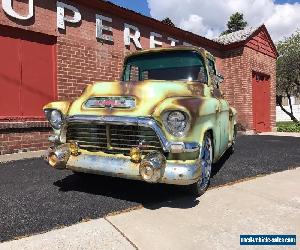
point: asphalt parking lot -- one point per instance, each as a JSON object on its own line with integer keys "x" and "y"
{"x": 35, "y": 198}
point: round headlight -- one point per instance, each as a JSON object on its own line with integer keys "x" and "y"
{"x": 176, "y": 122}
{"x": 55, "y": 118}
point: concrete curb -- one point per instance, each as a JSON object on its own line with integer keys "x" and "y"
{"x": 95, "y": 234}
{"x": 281, "y": 134}
{"x": 21, "y": 156}
{"x": 251, "y": 132}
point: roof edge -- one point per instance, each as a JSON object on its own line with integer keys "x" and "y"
{"x": 242, "y": 43}
{"x": 264, "y": 28}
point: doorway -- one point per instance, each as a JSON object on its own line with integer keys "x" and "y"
{"x": 27, "y": 72}
{"x": 261, "y": 102}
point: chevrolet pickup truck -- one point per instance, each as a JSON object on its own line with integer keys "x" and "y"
{"x": 165, "y": 121}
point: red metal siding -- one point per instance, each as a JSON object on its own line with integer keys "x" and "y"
{"x": 27, "y": 73}
{"x": 261, "y": 43}
{"x": 10, "y": 77}
{"x": 38, "y": 77}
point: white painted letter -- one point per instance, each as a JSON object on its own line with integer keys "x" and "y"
{"x": 100, "y": 27}
{"x": 153, "y": 42}
{"x": 7, "y": 7}
{"x": 61, "y": 19}
{"x": 128, "y": 36}
{"x": 173, "y": 41}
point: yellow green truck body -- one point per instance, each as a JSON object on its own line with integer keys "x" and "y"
{"x": 120, "y": 128}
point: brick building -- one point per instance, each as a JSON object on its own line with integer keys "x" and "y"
{"x": 51, "y": 49}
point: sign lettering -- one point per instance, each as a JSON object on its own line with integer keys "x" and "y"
{"x": 100, "y": 27}
{"x": 62, "y": 19}
{"x": 128, "y": 36}
{"x": 7, "y": 6}
{"x": 154, "y": 42}
{"x": 131, "y": 32}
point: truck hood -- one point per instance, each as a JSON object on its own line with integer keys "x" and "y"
{"x": 147, "y": 95}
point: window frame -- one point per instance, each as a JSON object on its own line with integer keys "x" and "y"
{"x": 125, "y": 74}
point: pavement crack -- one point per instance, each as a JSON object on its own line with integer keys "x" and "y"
{"x": 121, "y": 233}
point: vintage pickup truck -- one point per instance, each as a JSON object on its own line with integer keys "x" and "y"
{"x": 165, "y": 121}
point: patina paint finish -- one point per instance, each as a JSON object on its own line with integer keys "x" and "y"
{"x": 202, "y": 102}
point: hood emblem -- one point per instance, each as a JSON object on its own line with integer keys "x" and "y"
{"x": 111, "y": 102}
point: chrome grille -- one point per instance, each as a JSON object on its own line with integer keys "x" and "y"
{"x": 112, "y": 138}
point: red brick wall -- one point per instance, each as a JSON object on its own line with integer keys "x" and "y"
{"x": 44, "y": 20}
{"x": 81, "y": 59}
{"x": 231, "y": 68}
{"x": 27, "y": 134}
{"x": 237, "y": 67}
{"x": 258, "y": 62}
{"x": 22, "y": 140}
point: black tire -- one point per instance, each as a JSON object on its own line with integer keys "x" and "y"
{"x": 199, "y": 188}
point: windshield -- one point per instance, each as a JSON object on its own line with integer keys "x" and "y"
{"x": 168, "y": 65}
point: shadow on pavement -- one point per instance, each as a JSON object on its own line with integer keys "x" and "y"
{"x": 152, "y": 196}
{"x": 218, "y": 165}
{"x": 134, "y": 191}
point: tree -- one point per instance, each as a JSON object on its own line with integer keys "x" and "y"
{"x": 168, "y": 22}
{"x": 236, "y": 22}
{"x": 288, "y": 72}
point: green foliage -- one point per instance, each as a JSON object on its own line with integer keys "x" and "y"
{"x": 288, "y": 66}
{"x": 236, "y": 22}
{"x": 288, "y": 71}
{"x": 168, "y": 22}
{"x": 288, "y": 127}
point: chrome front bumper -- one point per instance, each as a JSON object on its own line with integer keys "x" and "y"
{"x": 169, "y": 172}
{"x": 178, "y": 173}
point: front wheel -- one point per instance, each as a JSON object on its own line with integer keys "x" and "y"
{"x": 205, "y": 157}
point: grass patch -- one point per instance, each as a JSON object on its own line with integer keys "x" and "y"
{"x": 288, "y": 127}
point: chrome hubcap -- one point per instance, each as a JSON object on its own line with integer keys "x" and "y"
{"x": 206, "y": 162}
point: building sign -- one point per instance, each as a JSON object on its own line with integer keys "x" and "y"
{"x": 7, "y": 6}
{"x": 131, "y": 32}
{"x": 62, "y": 19}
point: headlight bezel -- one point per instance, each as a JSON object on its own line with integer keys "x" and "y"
{"x": 180, "y": 133}
{"x": 54, "y": 124}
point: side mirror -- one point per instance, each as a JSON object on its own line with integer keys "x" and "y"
{"x": 219, "y": 78}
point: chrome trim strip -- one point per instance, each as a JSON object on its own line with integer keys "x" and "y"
{"x": 128, "y": 98}
{"x": 140, "y": 121}
{"x": 53, "y": 138}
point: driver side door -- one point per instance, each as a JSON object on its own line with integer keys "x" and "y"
{"x": 222, "y": 110}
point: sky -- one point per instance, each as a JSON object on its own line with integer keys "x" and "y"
{"x": 209, "y": 17}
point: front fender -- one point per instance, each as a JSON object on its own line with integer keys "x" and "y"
{"x": 62, "y": 106}
{"x": 233, "y": 114}
{"x": 202, "y": 113}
